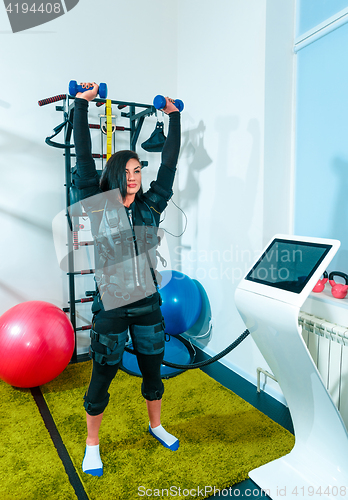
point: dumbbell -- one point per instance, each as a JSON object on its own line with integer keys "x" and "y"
{"x": 160, "y": 101}
{"x": 74, "y": 88}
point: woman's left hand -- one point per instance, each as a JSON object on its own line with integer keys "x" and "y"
{"x": 170, "y": 106}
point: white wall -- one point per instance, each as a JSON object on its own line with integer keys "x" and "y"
{"x": 131, "y": 46}
{"x": 225, "y": 59}
{"x": 234, "y": 179}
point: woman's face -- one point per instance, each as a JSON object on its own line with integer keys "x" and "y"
{"x": 133, "y": 176}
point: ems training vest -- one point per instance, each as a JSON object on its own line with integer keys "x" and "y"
{"x": 125, "y": 254}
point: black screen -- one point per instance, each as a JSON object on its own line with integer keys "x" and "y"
{"x": 288, "y": 264}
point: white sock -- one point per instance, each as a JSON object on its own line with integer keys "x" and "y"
{"x": 168, "y": 440}
{"x": 92, "y": 463}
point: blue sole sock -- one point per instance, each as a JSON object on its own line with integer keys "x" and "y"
{"x": 92, "y": 463}
{"x": 167, "y": 440}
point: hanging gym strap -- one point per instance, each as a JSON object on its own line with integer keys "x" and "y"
{"x": 56, "y": 131}
{"x": 108, "y": 129}
{"x": 207, "y": 361}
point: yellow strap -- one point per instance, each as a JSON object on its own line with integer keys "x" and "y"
{"x": 108, "y": 129}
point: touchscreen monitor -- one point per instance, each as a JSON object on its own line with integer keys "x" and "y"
{"x": 288, "y": 264}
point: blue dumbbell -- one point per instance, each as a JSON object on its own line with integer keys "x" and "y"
{"x": 160, "y": 101}
{"x": 74, "y": 88}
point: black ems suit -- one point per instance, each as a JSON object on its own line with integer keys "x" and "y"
{"x": 128, "y": 299}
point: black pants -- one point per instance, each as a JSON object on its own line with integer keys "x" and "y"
{"x": 106, "y": 322}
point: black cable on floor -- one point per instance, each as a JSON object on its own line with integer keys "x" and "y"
{"x": 207, "y": 362}
{"x": 58, "y": 443}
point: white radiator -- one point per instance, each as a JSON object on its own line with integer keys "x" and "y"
{"x": 328, "y": 346}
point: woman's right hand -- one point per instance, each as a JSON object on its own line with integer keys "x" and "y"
{"x": 90, "y": 94}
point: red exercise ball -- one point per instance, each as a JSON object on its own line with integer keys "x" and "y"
{"x": 37, "y": 341}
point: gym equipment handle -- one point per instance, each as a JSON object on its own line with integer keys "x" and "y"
{"x": 74, "y": 88}
{"x": 49, "y": 100}
{"x": 160, "y": 101}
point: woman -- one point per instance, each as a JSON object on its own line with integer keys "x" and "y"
{"x": 124, "y": 222}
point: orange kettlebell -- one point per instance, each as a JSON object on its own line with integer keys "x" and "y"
{"x": 338, "y": 290}
{"x": 319, "y": 287}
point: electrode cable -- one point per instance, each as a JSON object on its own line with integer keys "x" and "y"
{"x": 207, "y": 362}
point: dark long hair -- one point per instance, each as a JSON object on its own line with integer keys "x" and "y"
{"x": 114, "y": 173}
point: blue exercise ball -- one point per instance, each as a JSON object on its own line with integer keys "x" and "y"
{"x": 181, "y": 302}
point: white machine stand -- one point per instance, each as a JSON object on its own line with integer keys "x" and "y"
{"x": 269, "y": 300}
